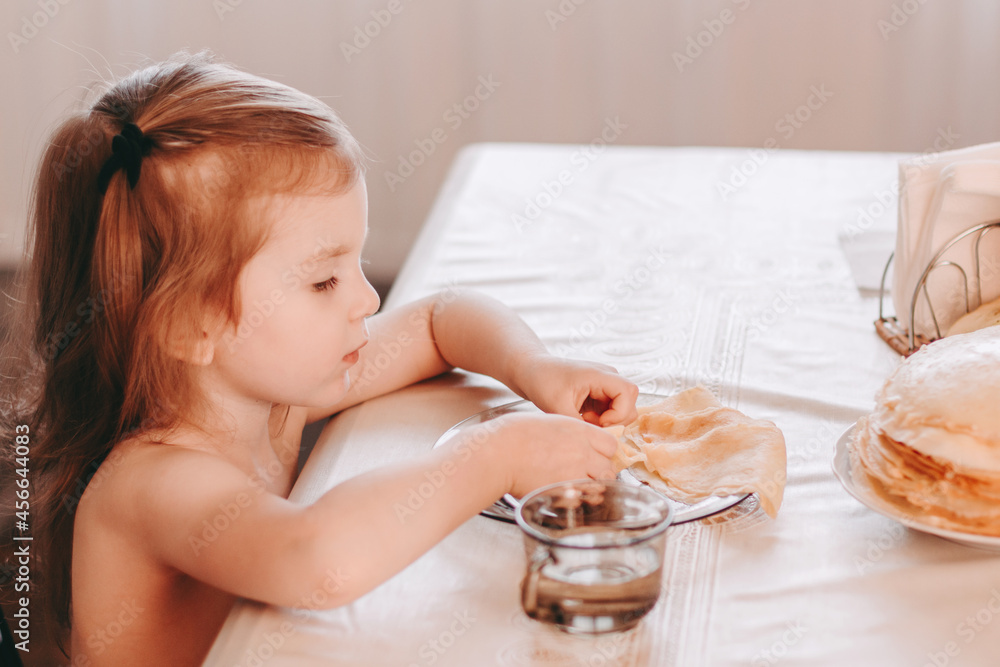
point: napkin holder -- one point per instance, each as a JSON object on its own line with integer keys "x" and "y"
{"x": 903, "y": 339}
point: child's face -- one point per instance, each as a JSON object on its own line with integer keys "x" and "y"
{"x": 305, "y": 300}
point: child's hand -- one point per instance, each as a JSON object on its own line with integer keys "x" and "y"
{"x": 536, "y": 450}
{"x": 593, "y": 391}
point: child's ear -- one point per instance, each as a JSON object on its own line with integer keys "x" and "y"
{"x": 202, "y": 350}
{"x": 194, "y": 344}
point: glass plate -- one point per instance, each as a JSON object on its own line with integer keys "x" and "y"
{"x": 867, "y": 497}
{"x": 504, "y": 508}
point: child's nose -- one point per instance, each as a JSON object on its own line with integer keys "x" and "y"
{"x": 368, "y": 302}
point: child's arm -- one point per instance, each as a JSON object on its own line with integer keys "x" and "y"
{"x": 198, "y": 514}
{"x": 477, "y": 333}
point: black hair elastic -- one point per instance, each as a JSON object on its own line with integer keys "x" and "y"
{"x": 127, "y": 150}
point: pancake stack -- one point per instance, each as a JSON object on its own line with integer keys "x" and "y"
{"x": 932, "y": 445}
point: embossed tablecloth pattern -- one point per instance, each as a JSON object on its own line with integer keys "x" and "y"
{"x": 678, "y": 266}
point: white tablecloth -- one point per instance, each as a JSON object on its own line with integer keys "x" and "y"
{"x": 679, "y": 266}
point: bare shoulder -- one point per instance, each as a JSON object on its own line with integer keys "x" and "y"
{"x": 178, "y": 508}
{"x": 138, "y": 474}
{"x": 125, "y": 545}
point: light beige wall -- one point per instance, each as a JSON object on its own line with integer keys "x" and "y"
{"x": 881, "y": 75}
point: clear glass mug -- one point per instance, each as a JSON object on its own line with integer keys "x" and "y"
{"x": 595, "y": 554}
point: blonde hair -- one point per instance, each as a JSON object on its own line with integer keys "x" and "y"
{"x": 118, "y": 281}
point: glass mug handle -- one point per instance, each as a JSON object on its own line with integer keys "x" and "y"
{"x": 529, "y": 587}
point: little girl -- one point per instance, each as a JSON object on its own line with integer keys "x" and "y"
{"x": 196, "y": 299}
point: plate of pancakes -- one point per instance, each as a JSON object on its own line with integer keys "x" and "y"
{"x": 701, "y": 456}
{"x": 928, "y": 456}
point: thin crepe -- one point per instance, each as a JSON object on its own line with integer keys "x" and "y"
{"x": 924, "y": 487}
{"x": 941, "y": 401}
{"x": 700, "y": 449}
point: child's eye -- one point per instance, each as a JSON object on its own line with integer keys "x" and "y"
{"x": 327, "y": 284}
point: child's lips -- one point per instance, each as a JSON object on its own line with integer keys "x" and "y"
{"x": 352, "y": 358}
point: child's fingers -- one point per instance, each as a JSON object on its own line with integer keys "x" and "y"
{"x": 600, "y": 467}
{"x": 604, "y": 473}
{"x": 605, "y": 443}
{"x": 618, "y": 404}
{"x": 588, "y": 407}
{"x": 593, "y": 408}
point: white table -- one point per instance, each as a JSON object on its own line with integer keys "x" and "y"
{"x": 644, "y": 261}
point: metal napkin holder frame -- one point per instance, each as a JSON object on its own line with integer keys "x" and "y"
{"x": 906, "y": 342}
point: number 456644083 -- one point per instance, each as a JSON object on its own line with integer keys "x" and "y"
{"x": 22, "y": 449}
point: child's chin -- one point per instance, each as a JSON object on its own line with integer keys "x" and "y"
{"x": 338, "y": 389}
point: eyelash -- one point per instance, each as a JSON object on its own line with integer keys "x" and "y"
{"x": 331, "y": 282}
{"x": 327, "y": 284}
